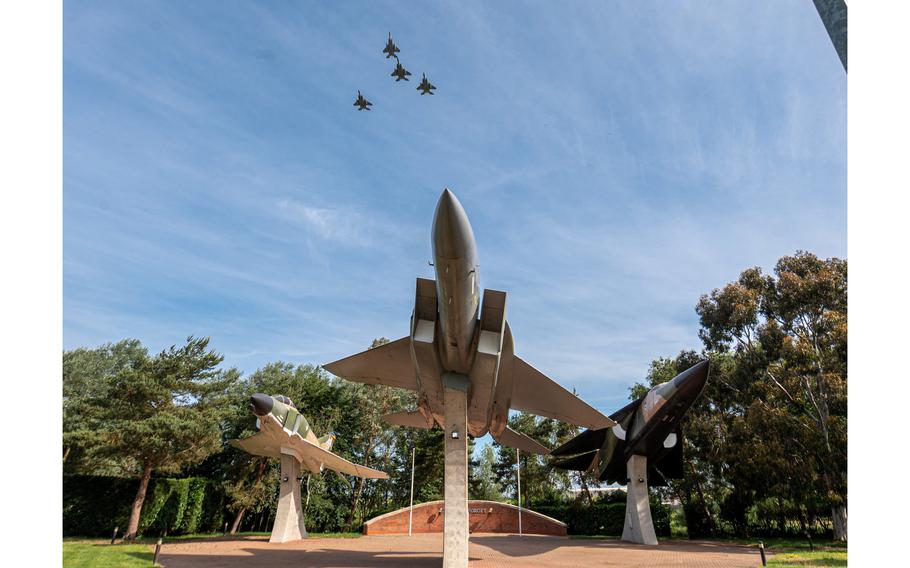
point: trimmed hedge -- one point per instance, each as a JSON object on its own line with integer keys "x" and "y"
{"x": 603, "y": 518}
{"x": 94, "y": 505}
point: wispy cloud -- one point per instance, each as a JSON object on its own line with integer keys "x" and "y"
{"x": 616, "y": 161}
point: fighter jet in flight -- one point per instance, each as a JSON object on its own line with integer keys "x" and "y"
{"x": 390, "y": 48}
{"x": 647, "y": 427}
{"x": 400, "y": 72}
{"x": 459, "y": 342}
{"x": 283, "y": 430}
{"x": 362, "y": 103}
{"x": 425, "y": 87}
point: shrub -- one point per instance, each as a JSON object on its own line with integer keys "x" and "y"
{"x": 94, "y": 505}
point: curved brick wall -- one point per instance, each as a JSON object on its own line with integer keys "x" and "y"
{"x": 483, "y": 517}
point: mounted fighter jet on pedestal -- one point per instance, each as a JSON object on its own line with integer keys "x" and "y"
{"x": 362, "y": 103}
{"x": 644, "y": 447}
{"x": 283, "y": 430}
{"x": 425, "y": 87}
{"x": 400, "y": 72}
{"x": 390, "y": 48}
{"x": 284, "y": 433}
{"x": 457, "y": 341}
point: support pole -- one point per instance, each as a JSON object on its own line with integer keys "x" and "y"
{"x": 411, "y": 514}
{"x": 289, "y": 524}
{"x": 638, "y": 526}
{"x": 518, "y": 472}
{"x": 455, "y": 537}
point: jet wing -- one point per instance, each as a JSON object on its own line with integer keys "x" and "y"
{"x": 388, "y": 364}
{"x": 589, "y": 440}
{"x": 538, "y": 394}
{"x": 523, "y": 442}
{"x": 272, "y": 440}
{"x": 336, "y": 462}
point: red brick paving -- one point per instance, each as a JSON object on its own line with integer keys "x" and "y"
{"x": 425, "y": 550}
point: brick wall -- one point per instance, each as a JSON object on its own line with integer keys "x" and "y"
{"x": 483, "y": 517}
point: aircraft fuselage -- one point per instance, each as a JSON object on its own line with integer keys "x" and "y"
{"x": 457, "y": 288}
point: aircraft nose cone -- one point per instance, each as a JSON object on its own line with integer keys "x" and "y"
{"x": 691, "y": 382}
{"x": 452, "y": 234}
{"x": 261, "y": 404}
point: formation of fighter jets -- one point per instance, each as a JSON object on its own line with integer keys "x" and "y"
{"x": 399, "y": 73}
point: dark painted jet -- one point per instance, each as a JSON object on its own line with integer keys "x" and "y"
{"x": 362, "y": 103}
{"x": 425, "y": 87}
{"x": 400, "y": 72}
{"x": 459, "y": 341}
{"x": 648, "y": 427}
{"x": 390, "y": 48}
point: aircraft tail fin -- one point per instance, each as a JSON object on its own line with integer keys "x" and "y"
{"x": 388, "y": 364}
{"x": 538, "y": 394}
{"x": 525, "y": 443}
{"x": 326, "y": 441}
{"x": 409, "y": 419}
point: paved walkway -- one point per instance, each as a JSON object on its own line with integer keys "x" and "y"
{"x": 425, "y": 550}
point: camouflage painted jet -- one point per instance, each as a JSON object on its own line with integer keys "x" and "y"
{"x": 456, "y": 341}
{"x": 648, "y": 427}
{"x": 362, "y": 103}
{"x": 390, "y": 48}
{"x": 400, "y": 72}
{"x": 283, "y": 430}
{"x": 425, "y": 87}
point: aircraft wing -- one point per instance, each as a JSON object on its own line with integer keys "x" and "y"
{"x": 272, "y": 440}
{"x": 523, "y": 442}
{"x": 388, "y": 364}
{"x": 534, "y": 392}
{"x": 336, "y": 462}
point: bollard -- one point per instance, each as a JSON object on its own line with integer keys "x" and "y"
{"x": 761, "y": 549}
{"x": 225, "y": 530}
{"x": 157, "y": 552}
{"x": 114, "y": 536}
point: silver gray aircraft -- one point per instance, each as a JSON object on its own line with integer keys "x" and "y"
{"x": 426, "y": 87}
{"x": 454, "y": 337}
{"x": 400, "y": 72}
{"x": 361, "y": 103}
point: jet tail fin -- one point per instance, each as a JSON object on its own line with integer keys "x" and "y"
{"x": 538, "y": 394}
{"x": 514, "y": 439}
{"x": 408, "y": 418}
{"x": 326, "y": 441}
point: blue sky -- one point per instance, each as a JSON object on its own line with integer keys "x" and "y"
{"x": 616, "y": 159}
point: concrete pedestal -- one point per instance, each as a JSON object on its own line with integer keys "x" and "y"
{"x": 455, "y": 533}
{"x": 289, "y": 523}
{"x": 638, "y": 527}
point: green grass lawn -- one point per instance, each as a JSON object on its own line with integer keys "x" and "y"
{"x": 94, "y": 554}
{"x": 818, "y": 559}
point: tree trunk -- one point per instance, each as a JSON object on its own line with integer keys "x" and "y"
{"x": 839, "y": 520}
{"x": 133, "y": 525}
{"x": 704, "y": 502}
{"x": 584, "y": 488}
{"x": 359, "y": 491}
{"x": 237, "y": 519}
{"x": 357, "y": 495}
